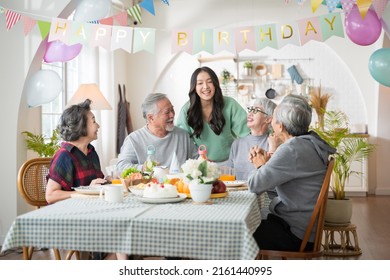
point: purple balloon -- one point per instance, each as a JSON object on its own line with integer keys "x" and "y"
{"x": 361, "y": 31}
{"x": 57, "y": 51}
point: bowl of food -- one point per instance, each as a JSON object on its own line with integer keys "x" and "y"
{"x": 131, "y": 177}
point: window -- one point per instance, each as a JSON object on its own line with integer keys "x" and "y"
{"x": 51, "y": 112}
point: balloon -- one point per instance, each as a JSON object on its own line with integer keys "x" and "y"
{"x": 89, "y": 10}
{"x": 379, "y": 66}
{"x": 57, "y": 51}
{"x": 365, "y": 31}
{"x": 43, "y": 87}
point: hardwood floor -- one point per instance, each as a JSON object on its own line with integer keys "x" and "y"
{"x": 373, "y": 227}
{"x": 369, "y": 216}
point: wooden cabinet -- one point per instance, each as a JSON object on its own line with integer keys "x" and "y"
{"x": 358, "y": 181}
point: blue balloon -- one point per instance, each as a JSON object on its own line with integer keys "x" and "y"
{"x": 379, "y": 66}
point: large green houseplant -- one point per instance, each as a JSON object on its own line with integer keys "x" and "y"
{"x": 43, "y": 147}
{"x": 350, "y": 148}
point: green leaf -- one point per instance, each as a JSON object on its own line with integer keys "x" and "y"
{"x": 203, "y": 168}
{"x": 38, "y": 143}
{"x": 350, "y": 148}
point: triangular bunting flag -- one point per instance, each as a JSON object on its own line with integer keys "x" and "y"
{"x": 347, "y": 5}
{"x": 148, "y": 5}
{"x": 135, "y": 13}
{"x": 28, "y": 24}
{"x": 107, "y": 21}
{"x": 1, "y": 10}
{"x": 315, "y": 4}
{"x": 363, "y": 6}
{"x": 121, "y": 18}
{"x": 166, "y": 2}
{"x": 44, "y": 28}
{"x": 11, "y": 18}
{"x": 332, "y": 5}
{"x": 379, "y": 6}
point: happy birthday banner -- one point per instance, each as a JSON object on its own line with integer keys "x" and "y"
{"x": 256, "y": 38}
{"x": 212, "y": 41}
{"x": 109, "y": 37}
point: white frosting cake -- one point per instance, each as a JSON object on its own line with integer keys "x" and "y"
{"x": 160, "y": 190}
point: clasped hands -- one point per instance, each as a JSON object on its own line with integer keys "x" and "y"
{"x": 258, "y": 156}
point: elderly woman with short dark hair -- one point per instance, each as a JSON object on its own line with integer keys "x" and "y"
{"x": 296, "y": 170}
{"x": 76, "y": 163}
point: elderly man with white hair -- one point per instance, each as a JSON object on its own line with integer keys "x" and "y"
{"x": 160, "y": 132}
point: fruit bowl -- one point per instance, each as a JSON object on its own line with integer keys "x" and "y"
{"x": 213, "y": 195}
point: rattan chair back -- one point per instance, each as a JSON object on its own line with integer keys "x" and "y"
{"x": 32, "y": 181}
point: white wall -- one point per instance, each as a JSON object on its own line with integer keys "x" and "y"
{"x": 144, "y": 73}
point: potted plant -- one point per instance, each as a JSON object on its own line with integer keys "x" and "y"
{"x": 350, "y": 148}
{"x": 226, "y": 76}
{"x": 38, "y": 143}
{"x": 200, "y": 174}
{"x": 248, "y": 68}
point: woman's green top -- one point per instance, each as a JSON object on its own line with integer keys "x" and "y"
{"x": 218, "y": 146}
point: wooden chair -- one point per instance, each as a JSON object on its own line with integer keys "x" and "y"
{"x": 317, "y": 215}
{"x": 32, "y": 187}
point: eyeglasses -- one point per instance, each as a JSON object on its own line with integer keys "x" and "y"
{"x": 255, "y": 110}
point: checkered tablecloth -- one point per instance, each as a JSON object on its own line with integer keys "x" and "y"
{"x": 221, "y": 230}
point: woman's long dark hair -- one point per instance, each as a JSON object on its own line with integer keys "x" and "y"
{"x": 194, "y": 113}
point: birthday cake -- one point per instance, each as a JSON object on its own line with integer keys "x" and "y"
{"x": 152, "y": 190}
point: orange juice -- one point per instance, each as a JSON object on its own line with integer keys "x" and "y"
{"x": 227, "y": 177}
{"x": 116, "y": 181}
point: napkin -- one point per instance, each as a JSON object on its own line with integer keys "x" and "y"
{"x": 174, "y": 167}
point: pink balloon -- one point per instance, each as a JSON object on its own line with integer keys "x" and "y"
{"x": 57, "y": 51}
{"x": 361, "y": 31}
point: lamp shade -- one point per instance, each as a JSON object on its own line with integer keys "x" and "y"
{"x": 92, "y": 92}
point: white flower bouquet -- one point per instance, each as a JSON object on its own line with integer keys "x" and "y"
{"x": 200, "y": 170}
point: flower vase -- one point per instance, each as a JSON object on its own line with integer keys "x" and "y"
{"x": 200, "y": 192}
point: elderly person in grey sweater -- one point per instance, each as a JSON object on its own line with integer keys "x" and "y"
{"x": 297, "y": 170}
{"x": 258, "y": 121}
{"x": 160, "y": 132}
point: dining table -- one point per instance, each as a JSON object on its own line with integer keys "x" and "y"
{"x": 221, "y": 229}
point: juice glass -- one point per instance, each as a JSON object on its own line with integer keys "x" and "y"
{"x": 227, "y": 173}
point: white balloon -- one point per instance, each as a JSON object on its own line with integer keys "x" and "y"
{"x": 88, "y": 10}
{"x": 43, "y": 87}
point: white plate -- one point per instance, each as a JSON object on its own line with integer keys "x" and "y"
{"x": 236, "y": 183}
{"x": 180, "y": 197}
{"x": 88, "y": 190}
{"x": 93, "y": 190}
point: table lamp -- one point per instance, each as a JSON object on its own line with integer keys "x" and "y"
{"x": 92, "y": 92}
